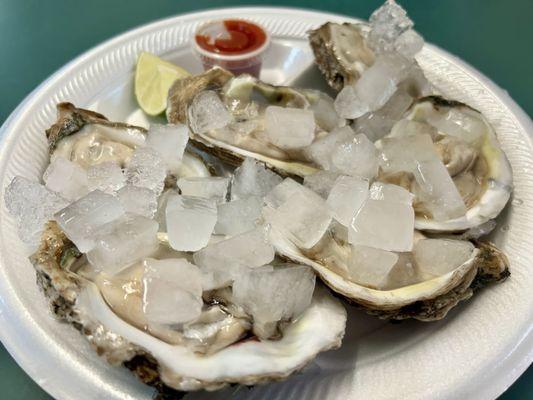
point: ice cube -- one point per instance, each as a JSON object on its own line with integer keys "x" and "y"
{"x": 401, "y": 154}
{"x": 146, "y": 169}
{"x": 285, "y": 190}
{"x": 302, "y": 219}
{"x": 253, "y": 179}
{"x": 215, "y": 188}
{"x": 398, "y": 104}
{"x": 138, "y": 200}
{"x": 271, "y": 295}
{"x": 32, "y": 205}
{"x": 438, "y": 191}
{"x": 190, "y": 222}
{"x": 238, "y": 216}
{"x": 170, "y": 142}
{"x": 387, "y": 23}
{"x": 436, "y": 257}
{"x": 322, "y": 150}
{"x": 172, "y": 291}
{"x": 383, "y": 225}
{"x": 416, "y": 84}
{"x": 390, "y": 192}
{"x": 81, "y": 219}
{"x": 375, "y": 87}
{"x": 345, "y": 152}
{"x": 122, "y": 242}
{"x": 458, "y": 123}
{"x": 404, "y": 273}
{"x": 161, "y": 215}
{"x": 373, "y": 125}
{"x": 379, "y": 82}
{"x": 321, "y": 182}
{"x": 436, "y": 188}
{"x": 377, "y": 124}
{"x": 228, "y": 258}
{"x": 357, "y": 157}
{"x": 66, "y": 178}
{"x": 409, "y": 43}
{"x": 349, "y": 105}
{"x": 289, "y": 128}
{"x": 106, "y": 177}
{"x": 323, "y": 108}
{"x": 369, "y": 266}
{"x": 406, "y": 127}
{"x": 346, "y": 197}
{"x": 207, "y": 112}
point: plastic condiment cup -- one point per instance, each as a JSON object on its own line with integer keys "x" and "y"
{"x": 247, "y": 62}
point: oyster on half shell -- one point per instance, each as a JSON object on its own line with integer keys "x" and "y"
{"x": 467, "y": 145}
{"x": 246, "y": 98}
{"x": 109, "y": 305}
{"x": 88, "y": 138}
{"x": 409, "y": 293}
{"x": 112, "y": 321}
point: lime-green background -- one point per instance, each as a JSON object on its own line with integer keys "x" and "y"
{"x": 39, "y": 36}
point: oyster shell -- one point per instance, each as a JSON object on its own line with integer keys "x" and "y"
{"x": 161, "y": 358}
{"x": 87, "y": 137}
{"x": 477, "y": 164}
{"x": 424, "y": 300}
{"x": 246, "y": 98}
{"x": 341, "y": 52}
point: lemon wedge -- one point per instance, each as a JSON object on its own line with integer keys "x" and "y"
{"x": 153, "y": 79}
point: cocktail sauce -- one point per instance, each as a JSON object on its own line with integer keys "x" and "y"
{"x": 233, "y": 44}
{"x": 240, "y": 37}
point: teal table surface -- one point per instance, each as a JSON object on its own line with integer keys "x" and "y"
{"x": 37, "y": 37}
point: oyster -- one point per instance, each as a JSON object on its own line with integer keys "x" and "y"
{"x": 108, "y": 312}
{"x": 244, "y": 101}
{"x": 373, "y": 67}
{"x": 468, "y": 147}
{"x": 341, "y": 52}
{"x": 344, "y": 52}
{"x": 361, "y": 242}
{"x": 408, "y": 293}
{"x": 88, "y": 138}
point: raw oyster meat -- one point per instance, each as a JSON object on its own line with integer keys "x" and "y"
{"x": 88, "y": 138}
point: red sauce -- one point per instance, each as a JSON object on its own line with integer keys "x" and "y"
{"x": 242, "y": 37}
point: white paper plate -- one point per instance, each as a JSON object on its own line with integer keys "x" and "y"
{"x": 475, "y": 353}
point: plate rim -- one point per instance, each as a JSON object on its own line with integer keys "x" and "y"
{"x": 516, "y": 362}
